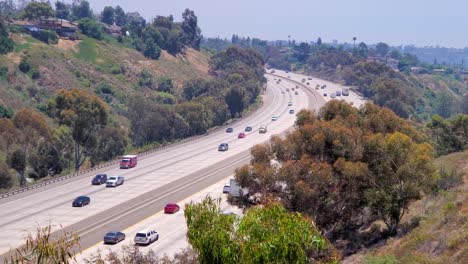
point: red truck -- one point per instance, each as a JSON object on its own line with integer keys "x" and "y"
{"x": 128, "y": 161}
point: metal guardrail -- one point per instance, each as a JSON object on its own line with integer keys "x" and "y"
{"x": 116, "y": 161}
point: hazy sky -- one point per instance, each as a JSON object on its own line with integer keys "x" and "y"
{"x": 419, "y": 22}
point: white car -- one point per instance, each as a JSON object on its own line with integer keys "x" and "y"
{"x": 290, "y": 104}
{"x": 227, "y": 188}
{"x": 146, "y": 237}
{"x": 262, "y": 130}
{"x": 115, "y": 181}
{"x": 274, "y": 118}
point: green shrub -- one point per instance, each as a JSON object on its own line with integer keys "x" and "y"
{"x": 104, "y": 88}
{"x": 47, "y": 36}
{"x": 90, "y": 28}
{"x": 24, "y": 66}
{"x": 6, "y": 45}
{"x": 5, "y": 112}
{"x": 3, "y": 71}
{"x": 116, "y": 69}
{"x": 35, "y": 74}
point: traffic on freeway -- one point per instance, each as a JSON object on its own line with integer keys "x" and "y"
{"x": 171, "y": 171}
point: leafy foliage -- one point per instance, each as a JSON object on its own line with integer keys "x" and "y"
{"x": 35, "y": 10}
{"x": 449, "y": 135}
{"x": 339, "y": 163}
{"x": 267, "y": 234}
{"x": 90, "y": 28}
{"x": 85, "y": 114}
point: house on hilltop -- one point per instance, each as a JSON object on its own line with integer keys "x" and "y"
{"x": 64, "y": 28}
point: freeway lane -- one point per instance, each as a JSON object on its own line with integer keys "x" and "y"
{"x": 172, "y": 228}
{"x": 153, "y": 175}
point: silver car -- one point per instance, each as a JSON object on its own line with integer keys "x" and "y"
{"x": 115, "y": 181}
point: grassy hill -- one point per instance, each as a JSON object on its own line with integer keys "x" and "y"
{"x": 86, "y": 64}
{"x": 442, "y": 233}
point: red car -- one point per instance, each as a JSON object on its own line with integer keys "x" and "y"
{"x": 241, "y": 135}
{"x": 171, "y": 208}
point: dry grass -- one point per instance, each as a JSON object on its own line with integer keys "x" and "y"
{"x": 441, "y": 237}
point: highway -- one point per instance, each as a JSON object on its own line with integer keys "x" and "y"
{"x": 175, "y": 174}
{"x": 172, "y": 228}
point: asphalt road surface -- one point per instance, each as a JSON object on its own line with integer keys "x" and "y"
{"x": 176, "y": 174}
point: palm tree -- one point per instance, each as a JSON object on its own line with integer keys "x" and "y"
{"x": 354, "y": 41}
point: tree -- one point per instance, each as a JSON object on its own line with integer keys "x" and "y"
{"x": 8, "y": 8}
{"x": 382, "y": 48}
{"x": 302, "y": 51}
{"x": 8, "y": 133}
{"x": 362, "y": 50}
{"x": 35, "y": 10}
{"x": 108, "y": 15}
{"x": 194, "y": 88}
{"x": 17, "y": 161}
{"x": 120, "y": 17}
{"x": 81, "y": 9}
{"x": 62, "y": 10}
{"x": 32, "y": 130}
{"x": 5, "y": 177}
{"x": 319, "y": 41}
{"x": 267, "y": 234}
{"x": 111, "y": 142}
{"x": 235, "y": 100}
{"x": 152, "y": 50}
{"x": 6, "y": 44}
{"x": 196, "y": 115}
{"x": 403, "y": 170}
{"x": 191, "y": 29}
{"x": 445, "y": 104}
{"x": 90, "y": 28}
{"x": 354, "y": 41}
{"x": 85, "y": 114}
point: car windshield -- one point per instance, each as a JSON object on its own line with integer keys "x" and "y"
{"x": 125, "y": 160}
{"x": 113, "y": 178}
{"x": 110, "y": 234}
{"x": 140, "y": 235}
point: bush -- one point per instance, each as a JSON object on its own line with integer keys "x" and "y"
{"x": 90, "y": 28}
{"x": 381, "y": 260}
{"x": 5, "y": 176}
{"x": 5, "y": 112}
{"x": 25, "y": 65}
{"x": 47, "y": 36}
{"x": 116, "y": 69}
{"x": 35, "y": 74}
{"x": 3, "y": 71}
{"x": 448, "y": 179}
{"x": 6, "y": 45}
{"x": 104, "y": 88}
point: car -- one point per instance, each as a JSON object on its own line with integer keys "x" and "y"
{"x": 287, "y": 89}
{"x": 289, "y": 77}
{"x": 309, "y": 78}
{"x": 99, "y": 179}
{"x": 292, "y": 89}
{"x": 291, "y": 111}
{"x": 114, "y": 237}
{"x": 223, "y": 147}
{"x": 248, "y": 129}
{"x": 332, "y": 95}
{"x": 146, "y": 237}
{"x": 323, "y": 86}
{"x": 262, "y": 129}
{"x": 274, "y": 118}
{"x": 81, "y": 201}
{"x": 229, "y": 130}
{"x": 241, "y": 135}
{"x": 290, "y": 104}
{"x": 115, "y": 181}
{"x": 338, "y": 93}
{"x": 171, "y": 208}
{"x": 282, "y": 92}
{"x": 308, "y": 83}
{"x": 227, "y": 188}
{"x": 325, "y": 94}
{"x": 296, "y": 93}
{"x": 273, "y": 71}
{"x": 287, "y": 71}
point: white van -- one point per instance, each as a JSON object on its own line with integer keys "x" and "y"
{"x": 146, "y": 237}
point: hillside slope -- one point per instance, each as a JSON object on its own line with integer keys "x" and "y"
{"x": 442, "y": 234}
{"x": 86, "y": 64}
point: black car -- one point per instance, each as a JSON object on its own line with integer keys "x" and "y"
{"x": 223, "y": 147}
{"x": 114, "y": 237}
{"x": 99, "y": 179}
{"x": 81, "y": 201}
{"x": 291, "y": 111}
{"x": 248, "y": 129}
{"x": 229, "y": 130}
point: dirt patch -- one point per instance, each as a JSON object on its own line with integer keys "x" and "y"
{"x": 66, "y": 44}
{"x": 17, "y": 38}
{"x": 197, "y": 61}
{"x": 14, "y": 57}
